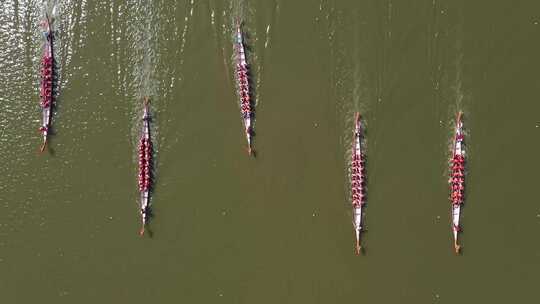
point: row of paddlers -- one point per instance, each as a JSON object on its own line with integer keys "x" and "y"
{"x": 145, "y": 152}
{"x": 46, "y": 92}
{"x": 456, "y": 181}
{"x": 47, "y": 84}
{"x": 246, "y": 110}
{"x": 357, "y": 177}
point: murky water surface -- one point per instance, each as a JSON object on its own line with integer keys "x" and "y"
{"x": 275, "y": 229}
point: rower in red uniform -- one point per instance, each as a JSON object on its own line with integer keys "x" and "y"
{"x": 457, "y": 174}
{"x": 457, "y": 167}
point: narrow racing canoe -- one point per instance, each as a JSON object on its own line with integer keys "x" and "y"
{"x": 145, "y": 167}
{"x": 46, "y": 92}
{"x": 243, "y": 88}
{"x": 457, "y": 178}
{"x": 357, "y": 181}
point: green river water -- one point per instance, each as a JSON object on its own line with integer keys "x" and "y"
{"x": 228, "y": 228}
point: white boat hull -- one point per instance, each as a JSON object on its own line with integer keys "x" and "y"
{"x": 145, "y": 167}
{"x": 243, "y": 85}
{"x": 46, "y": 111}
{"x": 357, "y": 183}
{"x": 458, "y": 151}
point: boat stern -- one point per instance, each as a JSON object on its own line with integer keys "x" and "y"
{"x": 357, "y": 224}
